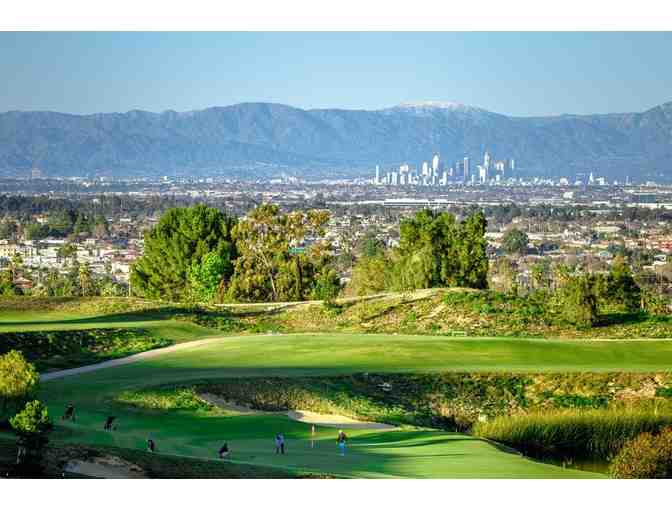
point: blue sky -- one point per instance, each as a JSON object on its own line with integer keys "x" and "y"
{"x": 512, "y": 73}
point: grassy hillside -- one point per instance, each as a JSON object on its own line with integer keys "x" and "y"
{"x": 452, "y": 312}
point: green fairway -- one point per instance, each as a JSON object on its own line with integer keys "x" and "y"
{"x": 157, "y": 322}
{"x": 403, "y": 453}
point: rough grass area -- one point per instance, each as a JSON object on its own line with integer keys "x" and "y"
{"x": 153, "y": 465}
{"x": 574, "y": 434}
{"x": 67, "y": 305}
{"x": 452, "y": 312}
{"x": 56, "y": 350}
{"x": 452, "y": 401}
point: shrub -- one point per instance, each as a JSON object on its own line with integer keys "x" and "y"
{"x": 18, "y": 380}
{"x": 32, "y": 426}
{"x": 578, "y": 301}
{"x": 646, "y": 456}
{"x": 181, "y": 398}
{"x": 576, "y": 434}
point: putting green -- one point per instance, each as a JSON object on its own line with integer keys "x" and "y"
{"x": 403, "y": 453}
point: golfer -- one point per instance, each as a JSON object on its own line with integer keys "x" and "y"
{"x": 224, "y": 450}
{"x": 151, "y": 445}
{"x": 342, "y": 438}
{"x": 109, "y": 422}
{"x": 69, "y": 413}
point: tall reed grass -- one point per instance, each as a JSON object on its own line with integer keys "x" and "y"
{"x": 573, "y": 434}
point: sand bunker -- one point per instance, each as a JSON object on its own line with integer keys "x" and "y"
{"x": 336, "y": 421}
{"x": 105, "y": 467}
{"x": 325, "y": 420}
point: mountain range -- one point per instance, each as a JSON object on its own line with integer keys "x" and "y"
{"x": 267, "y": 139}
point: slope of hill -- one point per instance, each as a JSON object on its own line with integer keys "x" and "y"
{"x": 271, "y": 138}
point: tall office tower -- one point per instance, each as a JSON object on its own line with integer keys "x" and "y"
{"x": 444, "y": 179}
{"x": 435, "y": 163}
{"x": 465, "y": 168}
{"x": 395, "y": 180}
{"x": 486, "y": 160}
{"x": 482, "y": 174}
{"x": 388, "y": 179}
{"x": 591, "y": 178}
{"x": 377, "y": 181}
{"x": 512, "y": 164}
{"x": 425, "y": 169}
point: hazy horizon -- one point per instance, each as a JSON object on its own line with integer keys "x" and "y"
{"x": 519, "y": 74}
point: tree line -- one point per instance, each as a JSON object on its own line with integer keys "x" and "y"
{"x": 201, "y": 254}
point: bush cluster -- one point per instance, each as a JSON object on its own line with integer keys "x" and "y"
{"x": 646, "y": 456}
{"x": 64, "y": 349}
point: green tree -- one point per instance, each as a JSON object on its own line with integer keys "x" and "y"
{"x": 35, "y": 231}
{"x": 8, "y": 229}
{"x": 7, "y": 286}
{"x": 515, "y": 242}
{"x": 18, "y": 380}
{"x": 541, "y": 275}
{"x": 578, "y": 301}
{"x": 61, "y": 223}
{"x": 370, "y": 245}
{"x": 205, "y": 277}
{"x": 327, "y": 285}
{"x": 370, "y": 275}
{"x": 472, "y": 252}
{"x": 621, "y": 288}
{"x": 266, "y": 269}
{"x": 87, "y": 283}
{"x": 32, "y": 425}
{"x": 437, "y": 251}
{"x": 182, "y": 236}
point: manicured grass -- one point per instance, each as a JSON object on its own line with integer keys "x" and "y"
{"x": 403, "y": 453}
{"x": 158, "y": 322}
{"x": 153, "y": 465}
{"x": 413, "y": 453}
{"x": 339, "y": 353}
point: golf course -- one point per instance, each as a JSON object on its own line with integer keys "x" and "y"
{"x": 199, "y": 354}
